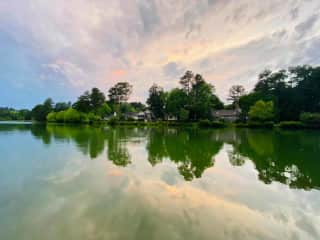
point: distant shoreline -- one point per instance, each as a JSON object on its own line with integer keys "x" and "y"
{"x": 204, "y": 124}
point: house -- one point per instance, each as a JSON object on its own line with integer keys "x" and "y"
{"x": 227, "y": 115}
{"x": 171, "y": 118}
{"x": 139, "y": 116}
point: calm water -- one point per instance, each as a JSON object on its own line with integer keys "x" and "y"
{"x": 59, "y": 182}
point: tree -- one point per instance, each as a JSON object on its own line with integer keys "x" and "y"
{"x": 61, "y": 106}
{"x": 235, "y": 93}
{"x": 186, "y": 81}
{"x": 103, "y": 110}
{"x": 262, "y": 111}
{"x": 138, "y": 106}
{"x": 120, "y": 92}
{"x": 177, "y": 99}
{"x": 97, "y": 98}
{"x": 202, "y": 99}
{"x": 40, "y": 111}
{"x": 156, "y": 101}
{"x": 83, "y": 104}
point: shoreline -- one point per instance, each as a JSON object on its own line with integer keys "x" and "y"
{"x": 204, "y": 124}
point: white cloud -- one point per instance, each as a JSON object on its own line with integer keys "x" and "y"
{"x": 88, "y": 41}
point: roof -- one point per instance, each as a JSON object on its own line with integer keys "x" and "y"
{"x": 226, "y": 113}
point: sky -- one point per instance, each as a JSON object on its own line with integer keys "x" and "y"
{"x": 61, "y": 48}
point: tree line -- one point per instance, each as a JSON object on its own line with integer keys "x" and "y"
{"x": 285, "y": 95}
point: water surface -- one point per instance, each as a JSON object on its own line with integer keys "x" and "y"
{"x": 81, "y": 182}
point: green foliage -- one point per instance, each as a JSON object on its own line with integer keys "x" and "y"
{"x": 72, "y": 116}
{"x": 94, "y": 118}
{"x": 97, "y": 99}
{"x": 293, "y": 92}
{"x": 254, "y": 124}
{"x": 291, "y": 125}
{"x": 51, "y": 117}
{"x": 126, "y": 108}
{"x": 202, "y": 100}
{"x": 156, "y": 101}
{"x": 211, "y": 124}
{"x": 90, "y": 101}
{"x": 9, "y": 114}
{"x": 104, "y": 110}
{"x": 311, "y": 119}
{"x": 183, "y": 115}
{"x": 40, "y": 111}
{"x": 261, "y": 111}
{"x": 235, "y": 93}
{"x": 60, "y": 116}
{"x": 120, "y": 92}
{"x": 176, "y": 101}
{"x": 84, "y": 118}
{"x": 83, "y": 104}
{"x": 61, "y": 106}
{"x": 113, "y": 121}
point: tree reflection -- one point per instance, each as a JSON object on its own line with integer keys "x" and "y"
{"x": 288, "y": 157}
{"x": 192, "y": 150}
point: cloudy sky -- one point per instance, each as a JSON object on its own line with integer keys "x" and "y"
{"x": 61, "y": 48}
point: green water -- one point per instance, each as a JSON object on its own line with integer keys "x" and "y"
{"x": 59, "y": 182}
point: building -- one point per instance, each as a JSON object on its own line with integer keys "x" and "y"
{"x": 227, "y": 115}
{"x": 139, "y": 116}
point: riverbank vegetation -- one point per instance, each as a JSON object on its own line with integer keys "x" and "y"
{"x": 287, "y": 98}
{"x": 10, "y": 114}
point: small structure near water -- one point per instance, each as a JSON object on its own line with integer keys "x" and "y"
{"x": 227, "y": 115}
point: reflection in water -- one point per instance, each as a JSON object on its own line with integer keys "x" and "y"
{"x": 286, "y": 157}
{"x": 157, "y": 183}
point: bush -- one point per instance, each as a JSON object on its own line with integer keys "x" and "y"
{"x": 84, "y": 118}
{"x": 60, "y": 116}
{"x": 51, "y": 117}
{"x": 113, "y": 121}
{"x": 254, "y": 124}
{"x": 310, "y": 119}
{"x": 261, "y": 111}
{"x": 212, "y": 124}
{"x": 72, "y": 116}
{"x": 94, "y": 118}
{"x": 183, "y": 115}
{"x": 291, "y": 125}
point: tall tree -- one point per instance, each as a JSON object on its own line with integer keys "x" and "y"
{"x": 201, "y": 99}
{"x": 120, "y": 92}
{"x": 156, "y": 101}
{"x": 40, "y": 111}
{"x": 235, "y": 93}
{"x": 177, "y": 101}
{"x": 186, "y": 81}
{"x": 97, "y": 98}
{"x": 83, "y": 104}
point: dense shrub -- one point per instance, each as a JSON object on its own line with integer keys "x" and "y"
{"x": 60, "y": 116}
{"x": 291, "y": 125}
{"x": 311, "y": 119}
{"x": 94, "y": 118}
{"x": 211, "y": 124}
{"x": 261, "y": 111}
{"x": 183, "y": 115}
{"x": 72, "y": 116}
{"x": 84, "y": 118}
{"x": 254, "y": 124}
{"x": 51, "y": 117}
{"x": 113, "y": 121}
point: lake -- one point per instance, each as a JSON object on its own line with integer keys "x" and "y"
{"x": 82, "y": 182}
